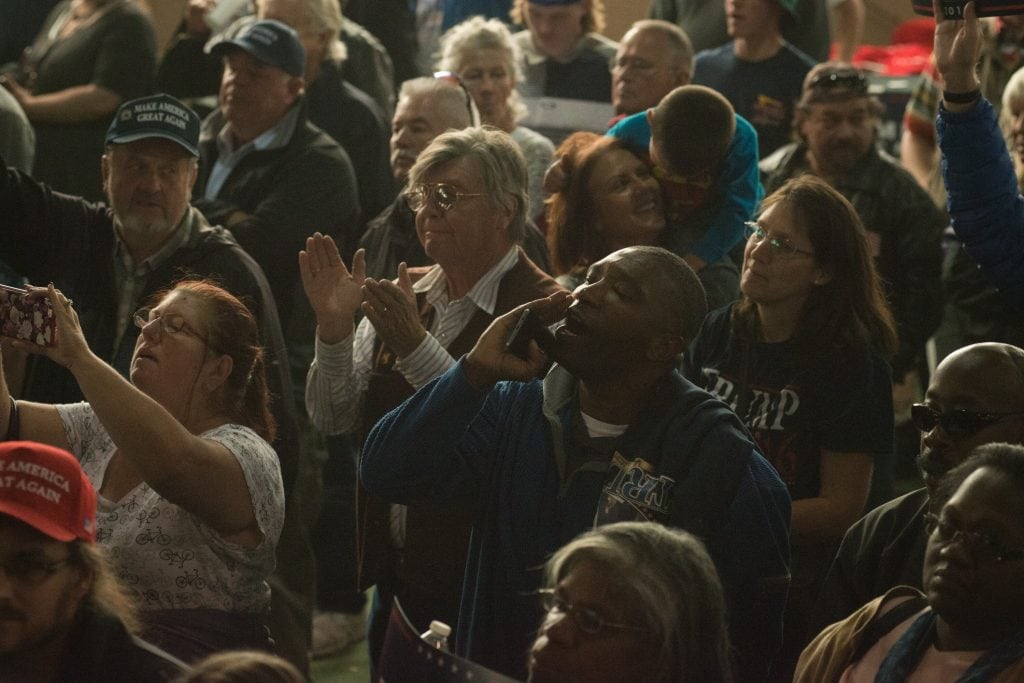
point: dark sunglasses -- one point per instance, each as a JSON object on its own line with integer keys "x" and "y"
{"x": 453, "y": 78}
{"x": 958, "y": 424}
{"x": 850, "y": 79}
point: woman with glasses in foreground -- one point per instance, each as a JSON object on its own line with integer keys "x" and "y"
{"x": 190, "y": 500}
{"x": 468, "y": 191}
{"x": 968, "y": 625}
{"x": 801, "y": 359}
{"x": 632, "y": 601}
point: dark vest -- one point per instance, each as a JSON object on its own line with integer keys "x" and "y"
{"x": 427, "y": 573}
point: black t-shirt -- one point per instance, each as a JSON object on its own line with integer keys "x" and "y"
{"x": 796, "y": 404}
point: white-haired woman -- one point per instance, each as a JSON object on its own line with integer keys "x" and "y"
{"x": 487, "y": 61}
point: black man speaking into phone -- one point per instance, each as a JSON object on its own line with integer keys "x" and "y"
{"x": 468, "y": 190}
{"x": 613, "y": 432}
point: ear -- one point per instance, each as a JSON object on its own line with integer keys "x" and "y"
{"x": 682, "y": 78}
{"x": 665, "y": 347}
{"x": 296, "y": 84}
{"x": 821, "y": 277}
{"x": 217, "y": 372}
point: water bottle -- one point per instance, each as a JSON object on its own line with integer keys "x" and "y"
{"x": 437, "y": 636}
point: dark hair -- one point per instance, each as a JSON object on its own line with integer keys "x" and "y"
{"x": 242, "y": 666}
{"x": 573, "y": 240}
{"x": 668, "y": 576}
{"x": 1005, "y": 458}
{"x": 848, "y": 311}
{"x": 692, "y": 129}
{"x": 232, "y": 331}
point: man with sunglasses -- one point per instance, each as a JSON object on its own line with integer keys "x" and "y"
{"x": 467, "y": 191}
{"x": 62, "y": 617}
{"x": 975, "y": 397}
{"x": 837, "y": 123}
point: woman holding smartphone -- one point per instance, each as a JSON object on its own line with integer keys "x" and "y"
{"x": 190, "y": 499}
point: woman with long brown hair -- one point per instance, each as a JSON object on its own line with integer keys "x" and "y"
{"x": 801, "y": 359}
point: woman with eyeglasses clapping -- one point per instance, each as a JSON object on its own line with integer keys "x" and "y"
{"x": 801, "y": 359}
{"x": 191, "y": 502}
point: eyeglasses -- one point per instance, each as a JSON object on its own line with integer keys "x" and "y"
{"x": 780, "y": 247}
{"x": 454, "y": 79}
{"x": 958, "y": 424}
{"x": 587, "y": 620}
{"x": 444, "y": 195}
{"x": 984, "y": 546}
{"x": 850, "y": 79}
{"x": 31, "y": 570}
{"x": 171, "y": 325}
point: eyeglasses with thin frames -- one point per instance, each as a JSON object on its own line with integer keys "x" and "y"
{"x": 444, "y": 195}
{"x": 587, "y": 620}
{"x": 171, "y": 324}
{"x": 779, "y": 246}
{"x": 30, "y": 570}
{"x": 984, "y": 546}
{"x": 957, "y": 424}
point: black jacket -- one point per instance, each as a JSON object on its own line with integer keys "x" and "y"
{"x": 48, "y": 236}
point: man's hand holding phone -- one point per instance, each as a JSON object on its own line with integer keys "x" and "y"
{"x": 501, "y": 355}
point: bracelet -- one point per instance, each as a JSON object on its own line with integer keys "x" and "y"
{"x": 13, "y": 423}
{"x": 961, "y": 97}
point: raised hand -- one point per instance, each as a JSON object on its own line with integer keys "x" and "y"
{"x": 71, "y": 346}
{"x": 489, "y": 362}
{"x": 391, "y": 309}
{"x": 957, "y": 48}
{"x": 333, "y": 291}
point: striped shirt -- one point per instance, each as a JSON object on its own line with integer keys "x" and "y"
{"x": 338, "y": 377}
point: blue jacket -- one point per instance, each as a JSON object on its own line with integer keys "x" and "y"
{"x": 685, "y": 461}
{"x": 984, "y": 202}
{"x": 738, "y": 185}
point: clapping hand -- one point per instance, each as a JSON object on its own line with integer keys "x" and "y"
{"x": 391, "y": 309}
{"x": 333, "y": 291}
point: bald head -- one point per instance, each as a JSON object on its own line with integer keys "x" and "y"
{"x": 982, "y": 379}
{"x": 990, "y": 369}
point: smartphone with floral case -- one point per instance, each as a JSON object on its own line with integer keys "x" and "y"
{"x": 29, "y": 319}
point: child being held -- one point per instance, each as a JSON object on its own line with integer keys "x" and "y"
{"x": 704, "y": 156}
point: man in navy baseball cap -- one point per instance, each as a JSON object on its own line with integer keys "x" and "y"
{"x": 155, "y": 116}
{"x": 271, "y": 42}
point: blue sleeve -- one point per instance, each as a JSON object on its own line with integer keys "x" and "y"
{"x": 425, "y": 448}
{"x": 751, "y": 552}
{"x": 635, "y": 133}
{"x": 984, "y": 201}
{"x": 742, "y": 192}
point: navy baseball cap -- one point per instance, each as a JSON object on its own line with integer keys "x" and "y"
{"x": 155, "y": 116}
{"x": 554, "y": 2}
{"x": 272, "y": 43}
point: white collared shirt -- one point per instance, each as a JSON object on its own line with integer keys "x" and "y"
{"x": 339, "y": 375}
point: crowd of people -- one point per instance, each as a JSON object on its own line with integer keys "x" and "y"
{"x": 620, "y": 404}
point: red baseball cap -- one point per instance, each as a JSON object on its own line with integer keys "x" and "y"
{"x": 45, "y": 487}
